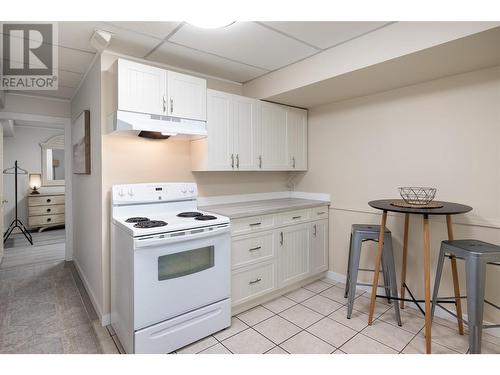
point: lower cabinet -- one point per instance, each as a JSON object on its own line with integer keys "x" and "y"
{"x": 280, "y": 254}
{"x": 294, "y": 244}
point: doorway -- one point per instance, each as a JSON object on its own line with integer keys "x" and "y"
{"x": 35, "y": 190}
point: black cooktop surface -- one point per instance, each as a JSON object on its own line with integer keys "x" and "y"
{"x": 136, "y": 219}
{"x": 205, "y": 217}
{"x": 150, "y": 224}
{"x": 190, "y": 214}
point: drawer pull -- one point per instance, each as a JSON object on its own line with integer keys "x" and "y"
{"x": 255, "y": 248}
{"x": 296, "y": 217}
{"x": 257, "y": 280}
{"x": 48, "y": 210}
{"x": 254, "y": 224}
{"x": 49, "y": 200}
{"x": 321, "y": 213}
{"x": 49, "y": 220}
{"x": 281, "y": 238}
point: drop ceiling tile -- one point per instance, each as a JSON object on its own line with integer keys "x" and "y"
{"x": 76, "y": 35}
{"x": 175, "y": 55}
{"x": 158, "y": 30}
{"x": 245, "y": 42}
{"x": 324, "y": 34}
{"x": 69, "y": 79}
{"x": 74, "y": 60}
{"x": 129, "y": 42}
{"x": 61, "y": 93}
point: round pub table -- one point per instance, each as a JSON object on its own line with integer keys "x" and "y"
{"x": 447, "y": 209}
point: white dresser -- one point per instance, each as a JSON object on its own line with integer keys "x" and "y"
{"x": 46, "y": 210}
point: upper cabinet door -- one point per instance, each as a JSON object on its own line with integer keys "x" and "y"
{"x": 187, "y": 96}
{"x": 296, "y": 130}
{"x": 246, "y": 124}
{"x": 220, "y": 131}
{"x": 141, "y": 88}
{"x": 274, "y": 151}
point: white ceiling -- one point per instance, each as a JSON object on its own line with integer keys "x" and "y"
{"x": 239, "y": 52}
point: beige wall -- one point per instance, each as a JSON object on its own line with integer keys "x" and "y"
{"x": 87, "y": 198}
{"x": 444, "y": 133}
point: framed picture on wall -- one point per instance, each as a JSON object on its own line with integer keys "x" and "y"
{"x": 80, "y": 140}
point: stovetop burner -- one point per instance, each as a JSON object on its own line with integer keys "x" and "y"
{"x": 150, "y": 224}
{"x": 190, "y": 214}
{"x": 136, "y": 219}
{"x": 205, "y": 217}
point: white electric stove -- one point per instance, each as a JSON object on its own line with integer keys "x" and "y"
{"x": 170, "y": 268}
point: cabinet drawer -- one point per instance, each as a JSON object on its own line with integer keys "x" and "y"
{"x": 319, "y": 212}
{"x": 293, "y": 217}
{"x": 252, "y": 248}
{"x": 35, "y": 221}
{"x": 45, "y": 200}
{"x": 251, "y": 224}
{"x": 46, "y": 210}
{"x": 253, "y": 282}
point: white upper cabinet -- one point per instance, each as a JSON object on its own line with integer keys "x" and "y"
{"x": 274, "y": 140}
{"x": 147, "y": 89}
{"x": 296, "y": 131}
{"x": 220, "y": 131}
{"x": 141, "y": 88}
{"x": 246, "y": 134}
{"x": 187, "y": 96}
{"x": 246, "y": 125}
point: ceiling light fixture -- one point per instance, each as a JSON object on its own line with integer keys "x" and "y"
{"x": 211, "y": 23}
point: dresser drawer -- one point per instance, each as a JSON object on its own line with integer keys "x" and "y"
{"x": 319, "y": 212}
{"x": 45, "y": 200}
{"x": 293, "y": 217}
{"x": 36, "y": 221}
{"x": 46, "y": 210}
{"x": 252, "y": 248}
{"x": 249, "y": 283}
{"x": 251, "y": 224}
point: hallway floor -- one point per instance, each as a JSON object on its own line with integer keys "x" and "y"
{"x": 42, "y": 311}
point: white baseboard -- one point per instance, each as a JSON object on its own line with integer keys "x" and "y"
{"x": 334, "y": 276}
{"x": 90, "y": 292}
{"x": 106, "y": 320}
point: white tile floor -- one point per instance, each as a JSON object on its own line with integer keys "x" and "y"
{"x": 313, "y": 319}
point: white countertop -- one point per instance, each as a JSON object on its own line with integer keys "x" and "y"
{"x": 262, "y": 207}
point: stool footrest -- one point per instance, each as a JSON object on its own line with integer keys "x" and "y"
{"x": 370, "y": 285}
{"x": 368, "y": 270}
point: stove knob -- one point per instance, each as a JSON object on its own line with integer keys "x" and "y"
{"x": 191, "y": 190}
{"x": 120, "y": 193}
{"x": 131, "y": 192}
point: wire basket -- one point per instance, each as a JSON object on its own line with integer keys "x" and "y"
{"x": 417, "y": 195}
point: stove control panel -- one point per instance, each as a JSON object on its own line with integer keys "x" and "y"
{"x": 154, "y": 192}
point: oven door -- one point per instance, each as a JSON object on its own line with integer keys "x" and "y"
{"x": 174, "y": 275}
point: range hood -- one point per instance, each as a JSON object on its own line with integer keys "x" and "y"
{"x": 124, "y": 121}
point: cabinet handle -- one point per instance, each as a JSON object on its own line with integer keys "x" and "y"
{"x": 296, "y": 217}
{"x": 315, "y": 230}
{"x": 321, "y": 213}
{"x": 49, "y": 220}
{"x": 293, "y": 162}
{"x": 49, "y": 200}
{"x": 4, "y": 201}
{"x": 255, "y": 281}
{"x": 260, "y": 161}
{"x": 255, "y": 248}
{"x": 238, "y": 161}
{"x": 254, "y": 224}
{"x": 232, "y": 161}
{"x": 48, "y": 210}
{"x": 164, "y": 104}
{"x": 281, "y": 238}
{"x": 171, "y": 105}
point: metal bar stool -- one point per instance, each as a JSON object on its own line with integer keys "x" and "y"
{"x": 477, "y": 254}
{"x": 361, "y": 233}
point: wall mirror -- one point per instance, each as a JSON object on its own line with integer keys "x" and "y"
{"x": 53, "y": 161}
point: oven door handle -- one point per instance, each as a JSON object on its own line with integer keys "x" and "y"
{"x": 159, "y": 239}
